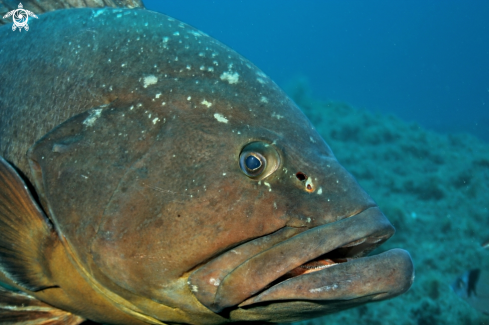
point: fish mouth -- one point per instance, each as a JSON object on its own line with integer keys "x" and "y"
{"x": 323, "y": 263}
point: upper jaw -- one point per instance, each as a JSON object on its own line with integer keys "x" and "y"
{"x": 245, "y": 274}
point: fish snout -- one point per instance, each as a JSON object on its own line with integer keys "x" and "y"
{"x": 325, "y": 193}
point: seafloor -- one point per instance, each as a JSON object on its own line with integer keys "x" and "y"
{"x": 434, "y": 188}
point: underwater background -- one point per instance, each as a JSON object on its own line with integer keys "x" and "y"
{"x": 423, "y": 61}
{"x": 400, "y": 91}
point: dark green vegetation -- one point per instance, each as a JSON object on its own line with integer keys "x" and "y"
{"x": 433, "y": 188}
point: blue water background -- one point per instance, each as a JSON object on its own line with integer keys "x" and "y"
{"x": 423, "y": 61}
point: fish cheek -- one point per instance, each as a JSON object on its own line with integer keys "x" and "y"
{"x": 153, "y": 234}
{"x": 173, "y": 210}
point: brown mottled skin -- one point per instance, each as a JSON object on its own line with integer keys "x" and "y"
{"x": 143, "y": 185}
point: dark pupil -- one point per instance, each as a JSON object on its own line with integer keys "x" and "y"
{"x": 252, "y": 162}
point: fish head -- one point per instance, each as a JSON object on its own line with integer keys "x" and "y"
{"x": 301, "y": 213}
{"x": 213, "y": 197}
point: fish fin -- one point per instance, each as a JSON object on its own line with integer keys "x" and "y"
{"x": 480, "y": 299}
{"x": 482, "y": 288}
{"x": 18, "y": 308}
{"x": 42, "y": 6}
{"x": 25, "y": 233}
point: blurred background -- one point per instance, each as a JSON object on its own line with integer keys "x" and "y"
{"x": 423, "y": 61}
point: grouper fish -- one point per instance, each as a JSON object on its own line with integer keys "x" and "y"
{"x": 152, "y": 175}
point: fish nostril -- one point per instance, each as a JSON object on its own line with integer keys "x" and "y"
{"x": 301, "y": 176}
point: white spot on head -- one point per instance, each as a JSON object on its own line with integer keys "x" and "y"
{"x": 165, "y": 39}
{"x": 223, "y": 174}
{"x": 232, "y": 78}
{"x": 194, "y": 288}
{"x": 309, "y": 182}
{"x": 158, "y": 95}
{"x": 176, "y": 34}
{"x": 263, "y": 99}
{"x": 320, "y": 191}
{"x": 206, "y": 103}
{"x": 269, "y": 187}
{"x": 98, "y": 13}
{"x": 277, "y": 116}
{"x": 220, "y": 118}
{"x": 308, "y": 220}
{"x": 214, "y": 282}
{"x": 189, "y": 98}
{"x": 149, "y": 80}
{"x": 260, "y": 80}
{"x": 312, "y": 140}
{"x": 94, "y": 115}
{"x": 155, "y": 120}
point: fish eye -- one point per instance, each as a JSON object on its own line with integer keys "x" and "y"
{"x": 252, "y": 163}
{"x": 258, "y": 160}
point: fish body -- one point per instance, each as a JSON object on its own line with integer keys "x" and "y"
{"x": 473, "y": 287}
{"x": 153, "y": 175}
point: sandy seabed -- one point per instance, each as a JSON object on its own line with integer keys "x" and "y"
{"x": 434, "y": 188}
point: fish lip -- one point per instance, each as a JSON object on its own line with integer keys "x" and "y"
{"x": 379, "y": 277}
{"x": 255, "y": 274}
